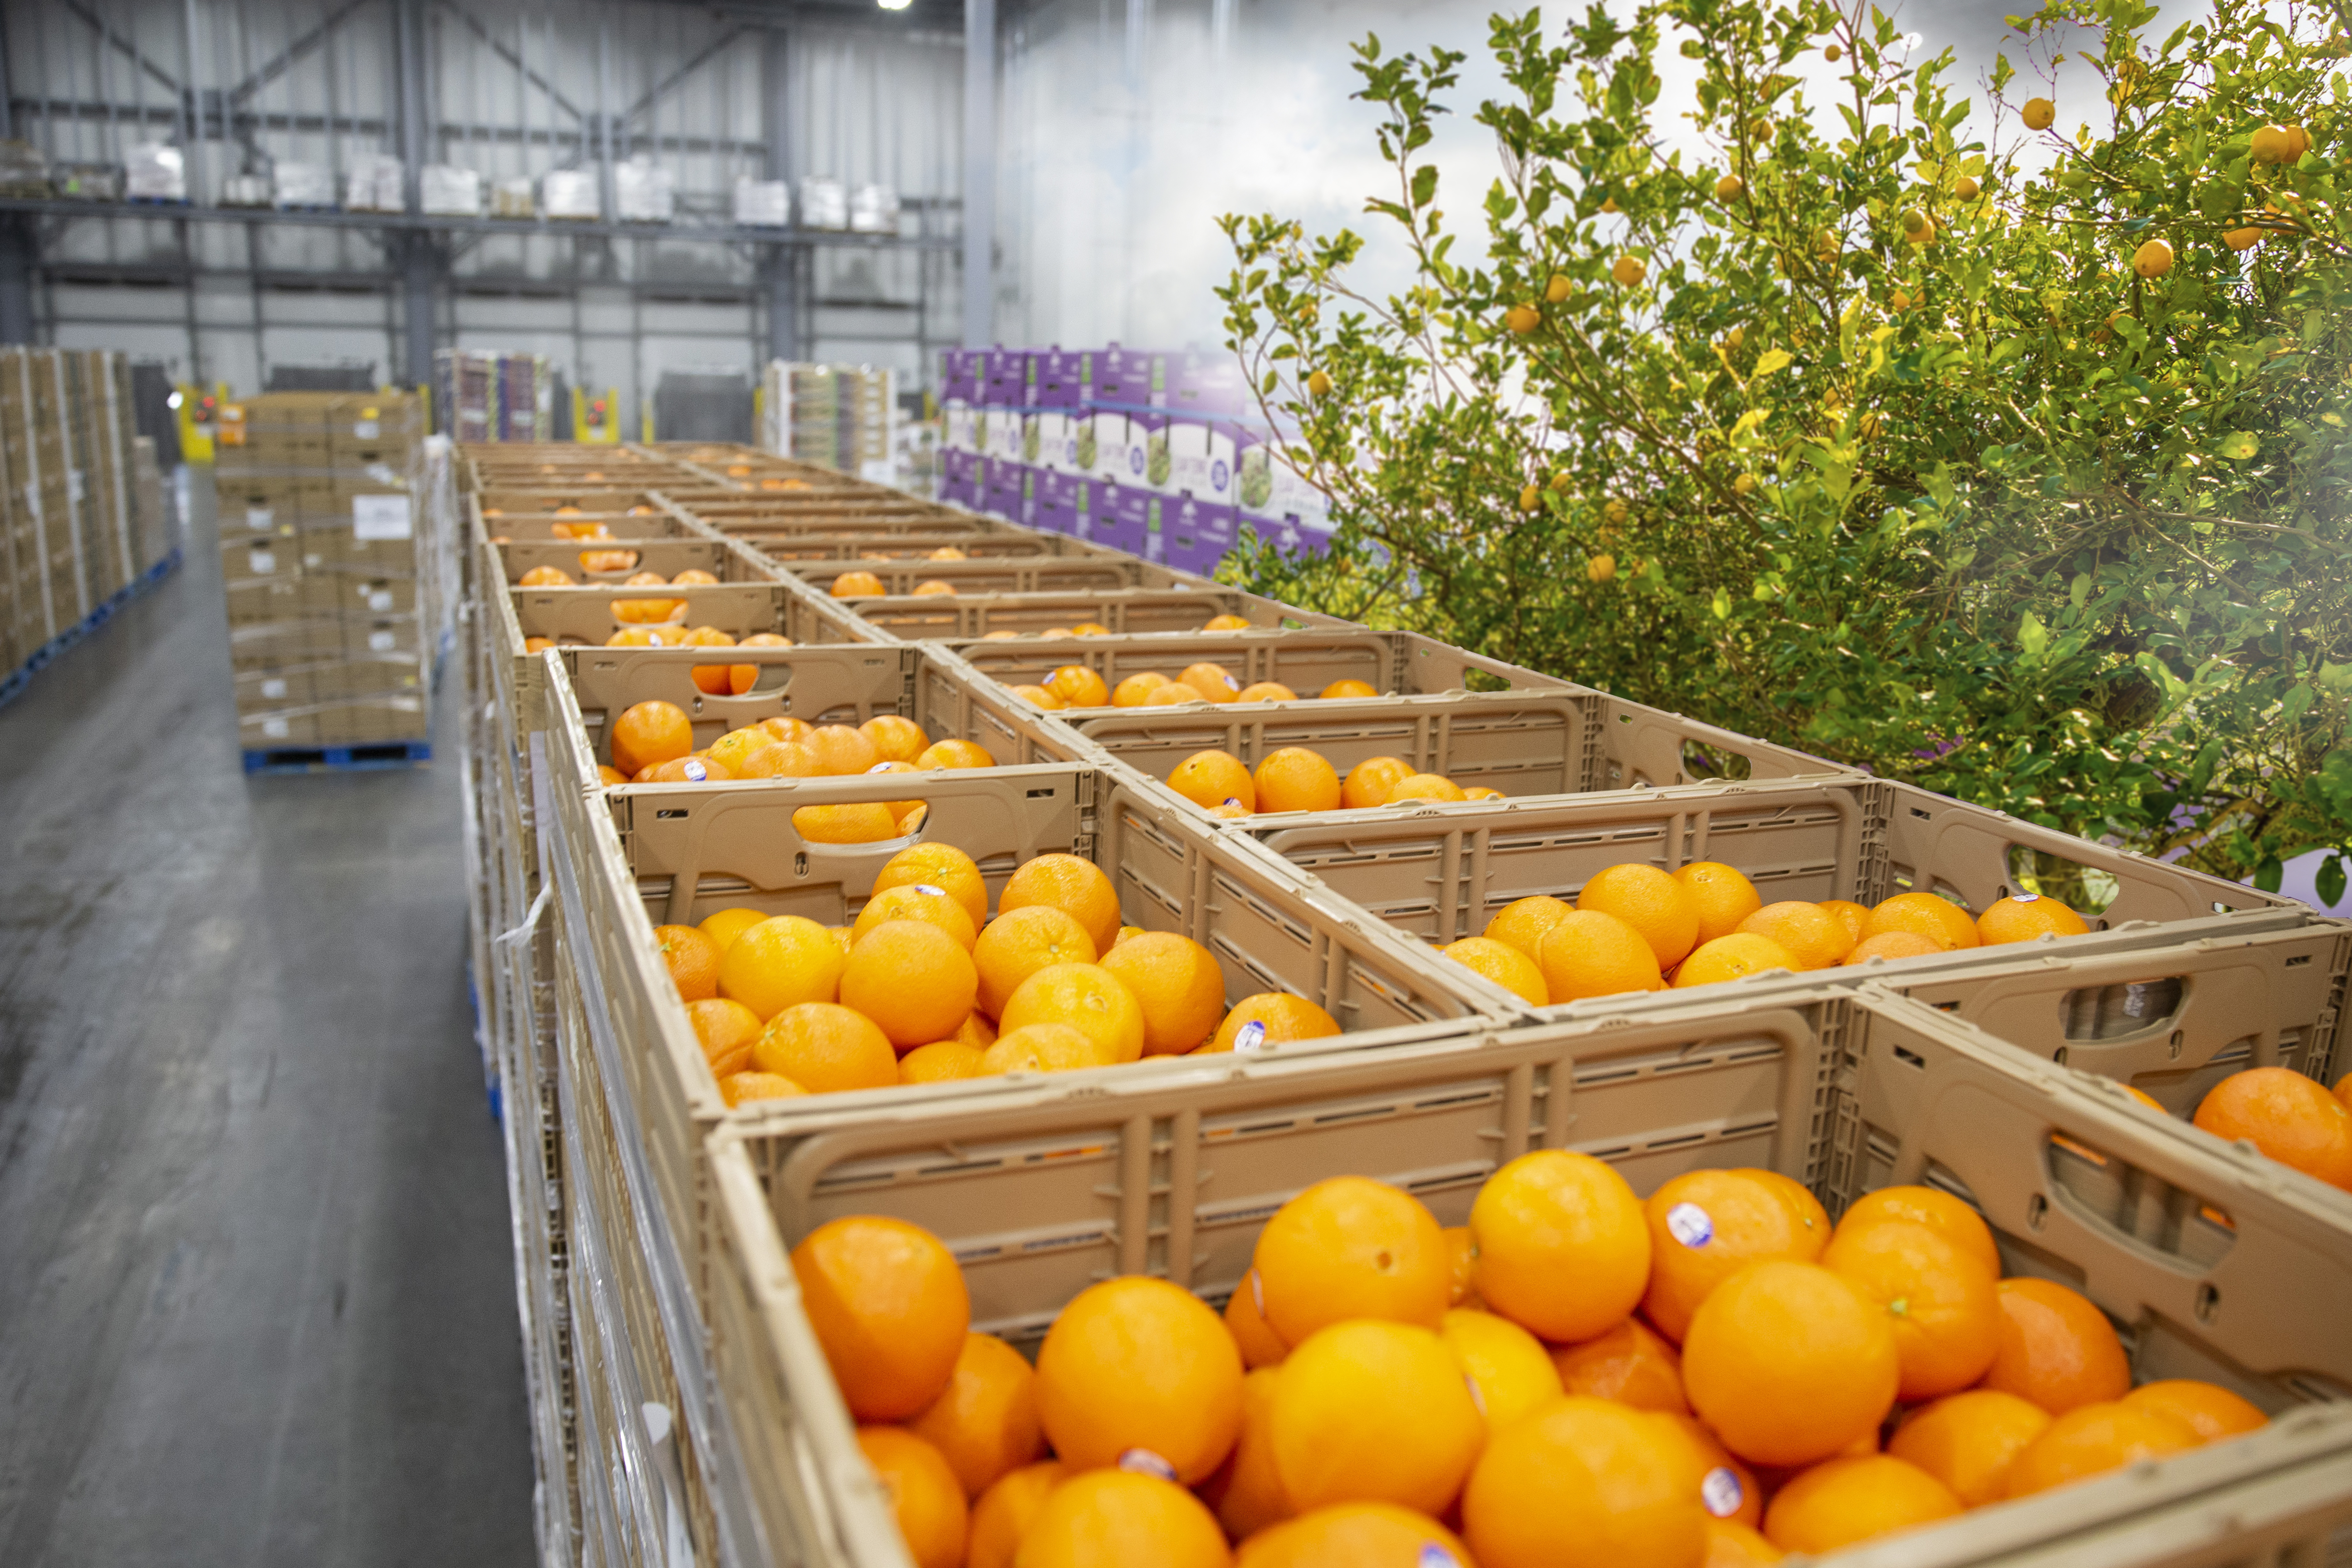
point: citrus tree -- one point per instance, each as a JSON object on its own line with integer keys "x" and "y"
{"x": 1997, "y": 447}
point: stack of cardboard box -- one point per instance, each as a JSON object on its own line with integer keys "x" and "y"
{"x": 320, "y": 518}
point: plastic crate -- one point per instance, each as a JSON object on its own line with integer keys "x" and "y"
{"x": 1048, "y": 575}
{"x": 585, "y": 614}
{"x": 669, "y": 556}
{"x": 1394, "y": 664}
{"x": 969, "y": 617}
{"x": 1046, "y": 1191}
{"x": 790, "y": 549}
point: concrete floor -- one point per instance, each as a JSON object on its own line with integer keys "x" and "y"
{"x": 256, "y": 1297}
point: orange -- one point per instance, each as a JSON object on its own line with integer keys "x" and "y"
{"x": 742, "y": 677}
{"x": 1270, "y": 1019}
{"x": 1358, "y": 1535}
{"x": 826, "y": 1050}
{"x": 1225, "y": 623}
{"x": 1245, "y": 1319}
{"x": 1295, "y": 779}
{"x": 1504, "y": 965}
{"x": 545, "y": 577}
{"x": 924, "y": 1497}
{"x": 1179, "y": 985}
{"x": 686, "y": 770}
{"x": 732, "y": 748}
{"x": 1728, "y": 1489}
{"x": 1480, "y": 791}
{"x": 1723, "y": 895}
{"x": 1561, "y": 1247}
{"x": 912, "y": 978}
{"x": 930, "y": 586}
{"x": 1730, "y": 1544}
{"x": 2093, "y": 1440}
{"x": 1930, "y": 915}
{"x": 1851, "y": 915}
{"x": 1214, "y": 777}
{"x": 955, "y": 754}
{"x": 841, "y": 750}
{"x": 1370, "y": 781}
{"x": 854, "y": 584}
{"x": 726, "y": 1030}
{"x": 1002, "y": 1514}
{"x": 693, "y": 960}
{"x": 908, "y": 814}
{"x": 1131, "y": 692}
{"x": 894, "y": 739}
{"x": 1350, "y": 1248}
{"x": 1078, "y": 686}
{"x": 2021, "y": 917}
{"x": 1138, "y": 1362}
{"x": 2211, "y": 1411}
{"x": 890, "y": 1310}
{"x": 1510, "y": 1375}
{"x": 1083, "y": 996}
{"x": 1588, "y": 953}
{"x": 541, "y": 645}
{"x": 2155, "y": 1104}
{"x": 1018, "y": 943}
{"x": 609, "y": 775}
{"x": 2290, "y": 1118}
{"x": 743, "y": 1087}
{"x": 1788, "y": 1363}
{"x": 650, "y": 732}
{"x": 1630, "y": 1365}
{"x": 636, "y": 636}
{"x": 787, "y": 727}
{"x": 1811, "y": 1218}
{"x": 1118, "y": 1517}
{"x": 1171, "y": 694}
{"x": 1424, "y": 786}
{"x": 1247, "y": 1492}
{"x": 1077, "y": 886}
{"x": 1213, "y": 681}
{"x": 1038, "y": 696}
{"x": 1846, "y": 1502}
{"x": 1343, "y": 689}
{"x": 1809, "y": 934}
{"x": 940, "y": 866}
{"x": 779, "y": 962}
{"x": 1230, "y": 811}
{"x": 1733, "y": 957}
{"x": 1042, "y": 1047}
{"x": 1939, "y": 1210}
{"x": 1586, "y": 1484}
{"x": 643, "y": 610}
{"x": 1524, "y": 923}
{"x": 1706, "y": 1226}
{"x": 869, "y": 823}
{"x": 984, "y": 1423}
{"x": 1266, "y": 691}
{"x": 1461, "y": 1258}
{"x": 1967, "y": 1440}
{"x": 914, "y": 901}
{"x": 782, "y": 760}
{"x": 2056, "y": 1349}
{"x": 942, "y": 1061}
{"x": 1892, "y": 945}
{"x": 1652, "y": 902}
{"x": 1372, "y": 1411}
{"x": 691, "y": 576}
{"x": 1938, "y": 1299}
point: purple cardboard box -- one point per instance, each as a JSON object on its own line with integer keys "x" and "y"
{"x": 960, "y": 478}
{"x": 1148, "y": 465}
{"x": 1127, "y": 518}
{"x": 1194, "y": 535}
{"x": 1007, "y": 372}
{"x": 1210, "y": 382}
{"x": 1008, "y": 489}
{"x": 1200, "y": 459}
{"x": 1063, "y": 378}
{"x": 960, "y": 375}
{"x": 1058, "y": 503}
{"x": 1131, "y": 378}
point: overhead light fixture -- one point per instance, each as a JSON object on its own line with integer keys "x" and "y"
{"x": 894, "y": 5}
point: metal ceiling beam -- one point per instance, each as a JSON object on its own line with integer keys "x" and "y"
{"x": 979, "y": 173}
{"x": 292, "y": 53}
{"x": 662, "y": 89}
{"x": 499, "y": 48}
{"x": 99, "y": 25}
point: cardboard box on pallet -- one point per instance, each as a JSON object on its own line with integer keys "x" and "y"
{"x": 284, "y": 643}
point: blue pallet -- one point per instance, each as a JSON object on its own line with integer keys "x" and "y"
{"x": 12, "y": 684}
{"x": 339, "y": 759}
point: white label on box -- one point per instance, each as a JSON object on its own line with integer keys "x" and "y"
{"x": 262, "y": 562}
{"x": 273, "y": 689}
{"x": 380, "y": 600}
{"x": 380, "y": 516}
{"x": 381, "y": 642}
{"x": 364, "y": 430}
{"x": 259, "y": 517}
{"x": 312, "y": 562}
{"x": 276, "y": 729}
{"x": 381, "y": 473}
{"x": 73, "y": 486}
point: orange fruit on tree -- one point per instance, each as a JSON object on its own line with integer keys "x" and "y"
{"x": 942, "y": 1061}
{"x": 1892, "y": 945}
{"x": 1588, "y": 953}
{"x": 1630, "y": 1363}
{"x": 1344, "y": 689}
{"x": 912, "y": 978}
{"x": 1131, "y": 691}
{"x": 1295, "y": 779}
{"x": 1733, "y": 957}
{"x": 984, "y": 1423}
{"x": 2056, "y": 1348}
{"x": 2211, "y": 1411}
{"x": 1706, "y": 1227}
{"x": 1844, "y": 1502}
{"x": 744, "y": 1088}
{"x": 1370, "y": 781}
{"x": 826, "y": 1048}
{"x": 1266, "y": 691}
{"x": 1077, "y": 886}
{"x": 1118, "y": 1516}
{"x": 1524, "y": 922}
{"x": 1086, "y": 996}
{"x": 1661, "y": 909}
{"x": 1245, "y": 1319}
{"x": 1374, "y": 1411}
{"x": 841, "y": 750}
{"x": 1724, "y": 896}
{"x": 1851, "y": 915}
{"x": 1807, "y": 932}
{"x": 1584, "y": 1483}
{"x": 940, "y": 866}
{"x": 1967, "y": 1441}
{"x": 1561, "y": 1247}
{"x": 692, "y": 959}
{"x": 929, "y": 1507}
{"x": 1214, "y": 777}
{"x": 1462, "y": 1257}
{"x": 650, "y": 732}
{"x": 955, "y": 754}
{"x": 1788, "y": 1363}
{"x": 2290, "y": 1118}
{"x": 1504, "y": 965}
{"x": 1247, "y": 1492}
{"x": 1179, "y": 985}
{"x": 889, "y": 1306}
{"x": 1171, "y": 694}
{"x": 2092, "y": 1439}
{"x": 1002, "y": 1514}
{"x": 1135, "y": 1362}
{"x": 1939, "y": 1210}
{"x": 865, "y": 823}
{"x": 1939, "y": 1301}
{"x": 1508, "y": 1370}
{"x": 1358, "y": 1534}
{"x": 1424, "y": 786}
{"x": 894, "y": 739}
{"x": 1042, "y": 1047}
{"x": 914, "y": 901}
{"x": 1078, "y": 686}
{"x": 1213, "y": 681}
{"x": 726, "y": 1030}
{"x": 780, "y": 962}
{"x": 1930, "y": 915}
{"x": 1350, "y": 1247}
{"x": 2021, "y": 917}
{"x": 857, "y": 584}
{"x": 1730, "y": 1544}
{"x": 1270, "y": 1019}
{"x": 1019, "y": 942}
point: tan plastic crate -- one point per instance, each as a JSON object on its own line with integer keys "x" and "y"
{"x": 969, "y": 616}
{"x": 1394, "y": 664}
{"x": 584, "y": 615}
{"x": 791, "y": 547}
{"x": 785, "y": 514}
{"x": 667, "y": 556}
{"x": 1846, "y": 1090}
{"x": 1044, "y": 574}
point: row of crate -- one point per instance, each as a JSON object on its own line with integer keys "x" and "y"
{"x": 653, "y": 1222}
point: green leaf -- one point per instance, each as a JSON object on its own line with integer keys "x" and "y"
{"x": 1767, "y": 362}
{"x": 1424, "y": 184}
{"x": 2335, "y": 780}
{"x": 2239, "y": 445}
{"x": 2033, "y": 638}
{"x": 2329, "y": 883}
{"x": 2269, "y": 874}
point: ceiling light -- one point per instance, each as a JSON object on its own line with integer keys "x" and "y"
{"x": 894, "y": 5}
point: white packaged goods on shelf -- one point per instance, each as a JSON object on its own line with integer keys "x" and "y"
{"x": 763, "y": 204}
{"x": 513, "y": 198}
{"x": 294, "y": 185}
{"x": 873, "y": 209}
{"x": 446, "y": 191}
{"x": 642, "y": 191}
{"x": 571, "y": 193}
{"x": 155, "y": 172}
{"x": 377, "y": 184}
{"x": 245, "y": 191}
{"x": 824, "y": 204}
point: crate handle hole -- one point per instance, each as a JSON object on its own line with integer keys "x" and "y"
{"x": 668, "y": 814}
{"x": 2113, "y": 1012}
{"x": 2209, "y": 1304}
{"x": 2036, "y": 1211}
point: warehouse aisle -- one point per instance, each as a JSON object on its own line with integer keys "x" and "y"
{"x": 257, "y": 1302}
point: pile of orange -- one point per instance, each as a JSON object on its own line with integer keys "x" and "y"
{"x": 1076, "y": 686}
{"x": 1577, "y": 1378}
{"x": 653, "y": 742}
{"x": 2290, "y": 1118}
{"x": 866, "y": 585}
{"x": 924, "y": 986}
{"x": 1300, "y": 778}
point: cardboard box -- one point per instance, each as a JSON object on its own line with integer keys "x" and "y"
{"x": 1126, "y": 518}
{"x": 392, "y": 675}
{"x": 370, "y": 720}
{"x": 1130, "y": 378}
{"x": 1146, "y": 463}
{"x": 259, "y": 556}
{"x": 280, "y": 645}
{"x": 1062, "y": 378}
{"x": 376, "y": 595}
{"x": 1057, "y": 506}
{"x": 255, "y": 600}
{"x": 263, "y": 690}
{"x": 1200, "y": 460}
{"x": 379, "y": 636}
{"x": 277, "y": 730}
{"x": 1196, "y": 534}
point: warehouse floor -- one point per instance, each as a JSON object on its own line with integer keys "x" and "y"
{"x": 256, "y": 1291}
